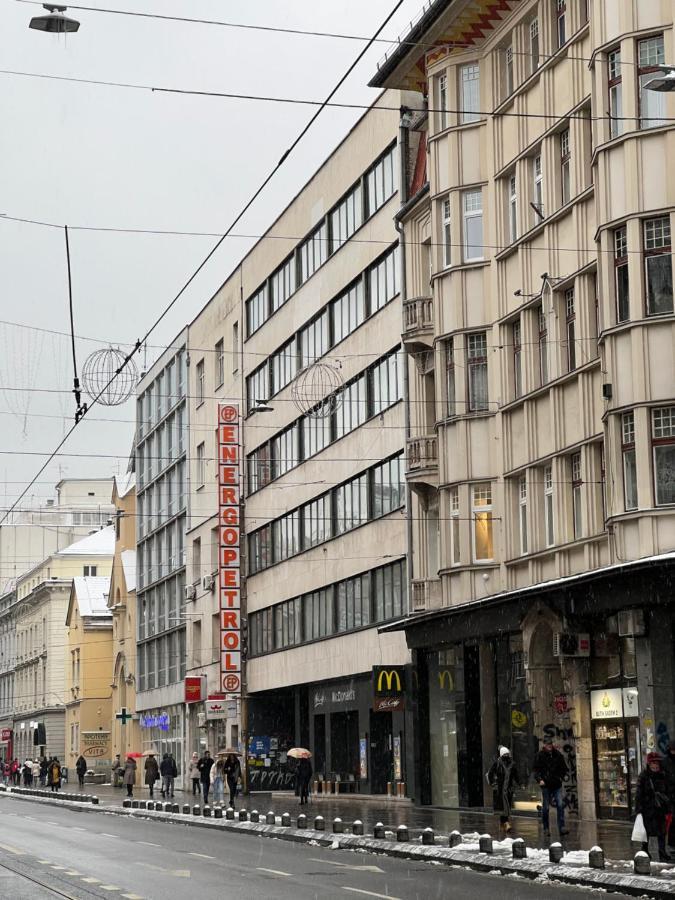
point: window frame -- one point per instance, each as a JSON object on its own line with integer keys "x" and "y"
{"x": 644, "y": 72}
{"x": 576, "y": 482}
{"x": 220, "y": 363}
{"x": 455, "y": 524}
{"x": 663, "y": 251}
{"x": 200, "y": 380}
{"x": 570, "y": 329}
{"x": 615, "y": 92}
{"x": 549, "y": 508}
{"x": 482, "y": 509}
{"x": 538, "y": 188}
{"x": 442, "y": 85}
{"x": 446, "y": 218}
{"x": 469, "y": 214}
{"x": 662, "y": 441}
{"x": 629, "y": 461}
{"x": 513, "y": 207}
{"x": 561, "y": 23}
{"x": 544, "y": 369}
{"x": 200, "y": 467}
{"x": 469, "y": 74}
{"x": 534, "y": 45}
{"x": 521, "y": 487}
{"x": 516, "y": 341}
{"x": 476, "y": 361}
{"x": 565, "y": 166}
{"x": 450, "y": 378}
{"x": 620, "y": 243}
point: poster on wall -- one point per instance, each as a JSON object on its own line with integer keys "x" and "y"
{"x": 363, "y": 758}
{"x": 397, "y": 759}
{"x": 229, "y": 584}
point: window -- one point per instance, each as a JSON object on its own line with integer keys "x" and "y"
{"x": 387, "y": 487}
{"x": 282, "y": 283}
{"x": 200, "y": 381}
{"x": 383, "y": 281}
{"x": 196, "y": 560}
{"x": 570, "y": 325}
{"x": 389, "y": 592}
{"x": 561, "y": 11}
{"x": 549, "y": 523}
{"x": 235, "y": 348}
{"x": 481, "y": 495}
{"x": 442, "y": 102}
{"x": 318, "y": 614}
{"x": 381, "y": 181}
{"x": 517, "y": 360}
{"x": 577, "y": 482}
{"x": 201, "y": 465}
{"x": 658, "y": 266}
{"x": 258, "y": 386}
{"x": 316, "y": 521}
{"x": 543, "y": 346}
{"x": 316, "y": 434}
{"x": 262, "y": 634}
{"x": 652, "y": 106}
{"x": 522, "y": 513}
{"x": 454, "y": 527}
{"x": 565, "y": 165}
{"x": 351, "y": 504}
{"x": 284, "y": 365}
{"x": 347, "y": 312}
{"x": 508, "y": 72}
{"x": 353, "y": 603}
{"x": 353, "y": 410}
{"x": 538, "y": 190}
{"x": 288, "y": 623}
{"x": 447, "y": 234}
{"x": 286, "y": 536}
{"x": 386, "y": 384}
{"x": 256, "y": 310}
{"x": 478, "y": 371}
{"x": 469, "y": 77}
{"x": 629, "y": 460}
{"x": 314, "y": 340}
{"x": 614, "y": 80}
{"x": 621, "y": 274}
{"x": 663, "y": 440}
{"x": 534, "y": 45}
{"x": 513, "y": 209}
{"x": 313, "y": 253}
{"x": 346, "y": 218}
{"x": 89, "y": 571}
{"x": 473, "y": 225}
{"x": 450, "y": 376}
{"x": 285, "y": 450}
{"x": 260, "y": 549}
{"x": 220, "y": 363}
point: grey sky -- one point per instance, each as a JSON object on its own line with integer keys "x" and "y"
{"x": 90, "y": 155}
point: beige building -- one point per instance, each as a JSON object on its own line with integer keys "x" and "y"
{"x": 305, "y": 336}
{"x": 538, "y": 320}
{"x": 88, "y": 663}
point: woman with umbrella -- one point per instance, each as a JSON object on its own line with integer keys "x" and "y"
{"x": 303, "y": 772}
{"x": 232, "y": 770}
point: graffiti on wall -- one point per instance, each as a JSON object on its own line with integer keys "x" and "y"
{"x": 662, "y": 737}
{"x": 563, "y": 738}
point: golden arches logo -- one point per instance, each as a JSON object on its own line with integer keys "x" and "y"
{"x": 445, "y": 680}
{"x": 388, "y": 677}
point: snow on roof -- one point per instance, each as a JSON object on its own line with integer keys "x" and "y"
{"x": 91, "y": 593}
{"x": 100, "y": 543}
{"x": 129, "y": 567}
{"x": 125, "y": 483}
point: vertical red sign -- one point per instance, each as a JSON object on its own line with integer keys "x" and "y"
{"x": 229, "y": 536}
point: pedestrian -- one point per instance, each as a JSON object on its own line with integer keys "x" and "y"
{"x": 129, "y": 776}
{"x": 117, "y": 771}
{"x": 168, "y": 770}
{"x": 54, "y": 774}
{"x": 653, "y": 803}
{"x": 303, "y": 776}
{"x": 151, "y": 773}
{"x": 550, "y": 770}
{"x": 43, "y": 771}
{"x": 193, "y": 772}
{"x": 16, "y": 772}
{"x": 218, "y": 780}
{"x": 205, "y": 764}
{"x": 232, "y": 769}
{"x": 503, "y": 776}
{"x": 28, "y": 773}
{"x": 6, "y": 768}
{"x": 669, "y": 771}
{"x": 81, "y": 769}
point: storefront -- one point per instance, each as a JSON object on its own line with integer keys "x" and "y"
{"x": 163, "y": 730}
{"x": 6, "y": 742}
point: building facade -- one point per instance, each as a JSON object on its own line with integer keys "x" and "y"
{"x": 161, "y": 515}
{"x": 539, "y": 328}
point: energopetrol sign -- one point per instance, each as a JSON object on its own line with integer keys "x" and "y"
{"x": 229, "y": 527}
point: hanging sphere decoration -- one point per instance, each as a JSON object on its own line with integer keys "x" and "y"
{"x": 316, "y": 390}
{"x": 100, "y": 367}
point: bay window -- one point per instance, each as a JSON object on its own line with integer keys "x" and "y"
{"x": 663, "y": 445}
{"x": 629, "y": 460}
{"x": 481, "y": 510}
{"x": 477, "y": 371}
{"x": 469, "y": 93}
{"x": 621, "y": 274}
{"x": 473, "y": 225}
{"x": 658, "y": 266}
{"x": 652, "y": 104}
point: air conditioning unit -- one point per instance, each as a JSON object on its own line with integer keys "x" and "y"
{"x": 568, "y": 644}
{"x": 631, "y": 623}
{"x": 209, "y": 582}
{"x": 190, "y": 592}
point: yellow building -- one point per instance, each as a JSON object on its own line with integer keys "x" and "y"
{"x": 88, "y": 665}
{"x": 122, "y": 605}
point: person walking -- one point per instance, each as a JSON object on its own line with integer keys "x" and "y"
{"x": 303, "y": 776}
{"x": 653, "y": 802}
{"x": 54, "y": 775}
{"x": 16, "y": 772}
{"x": 193, "y": 772}
{"x": 151, "y": 773}
{"x": 168, "y": 770}
{"x": 27, "y": 773}
{"x": 503, "y": 776}
{"x": 43, "y": 771}
{"x": 550, "y": 770}
{"x": 205, "y": 765}
{"x": 232, "y": 769}
{"x": 218, "y": 780}
{"x": 117, "y": 770}
{"x": 668, "y": 765}
{"x": 129, "y": 776}
{"x": 81, "y": 769}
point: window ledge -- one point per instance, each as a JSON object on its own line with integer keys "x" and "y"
{"x": 632, "y": 323}
{"x": 469, "y": 567}
{"x": 556, "y": 548}
{"x": 461, "y": 267}
{"x": 560, "y": 380}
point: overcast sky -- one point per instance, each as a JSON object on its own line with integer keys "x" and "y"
{"x": 106, "y": 156}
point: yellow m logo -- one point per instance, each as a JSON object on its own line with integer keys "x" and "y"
{"x": 388, "y": 677}
{"x": 445, "y": 680}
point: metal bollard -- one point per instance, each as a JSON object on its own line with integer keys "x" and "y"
{"x": 134, "y": 804}
{"x": 454, "y": 839}
{"x": 302, "y": 821}
{"x": 255, "y": 816}
{"x": 175, "y": 808}
{"x": 357, "y": 827}
{"x": 94, "y": 800}
{"x": 428, "y": 836}
{"x": 485, "y": 844}
{"x": 518, "y": 849}
{"x": 206, "y": 812}
{"x": 378, "y": 830}
{"x": 243, "y": 815}
{"x": 196, "y": 810}
{"x": 338, "y": 826}
{"x": 402, "y": 833}
{"x": 319, "y": 824}
{"x": 286, "y": 820}
{"x": 229, "y": 814}
{"x": 642, "y": 864}
{"x": 142, "y": 804}
{"x": 151, "y": 805}
{"x": 126, "y": 804}
{"x": 596, "y": 858}
{"x": 555, "y": 852}
{"x": 186, "y": 809}
{"x": 218, "y": 812}
{"x": 270, "y": 818}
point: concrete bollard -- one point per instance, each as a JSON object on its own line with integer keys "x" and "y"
{"x": 518, "y": 849}
{"x": 255, "y": 816}
{"x": 175, "y": 808}
{"x": 357, "y": 827}
{"x": 206, "y": 812}
{"x": 218, "y": 812}
{"x": 302, "y": 821}
{"x": 270, "y": 818}
{"x": 338, "y": 826}
{"x": 126, "y": 804}
{"x": 134, "y": 804}
{"x": 454, "y": 839}
{"x": 151, "y": 805}
{"x": 596, "y": 858}
{"x": 555, "y": 852}
{"x": 319, "y": 824}
{"x": 286, "y": 820}
{"x": 428, "y": 837}
{"x": 196, "y": 810}
{"x": 402, "y": 833}
{"x": 243, "y": 815}
{"x": 142, "y": 804}
{"x": 642, "y": 864}
{"x": 229, "y": 814}
{"x": 378, "y": 830}
{"x": 94, "y": 800}
{"x": 186, "y": 809}
{"x": 485, "y": 844}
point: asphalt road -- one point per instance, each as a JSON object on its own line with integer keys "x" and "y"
{"x": 92, "y": 855}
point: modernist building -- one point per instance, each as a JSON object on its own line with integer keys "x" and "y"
{"x": 306, "y": 337}
{"x": 161, "y": 515}
{"x": 539, "y": 325}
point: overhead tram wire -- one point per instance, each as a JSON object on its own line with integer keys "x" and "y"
{"x": 211, "y": 253}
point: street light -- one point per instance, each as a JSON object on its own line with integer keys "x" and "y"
{"x": 55, "y": 22}
{"x": 664, "y": 82}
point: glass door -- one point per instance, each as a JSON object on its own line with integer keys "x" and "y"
{"x": 611, "y": 768}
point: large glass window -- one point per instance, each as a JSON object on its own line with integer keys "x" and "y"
{"x": 615, "y": 83}
{"x": 469, "y": 92}
{"x": 318, "y": 614}
{"x": 351, "y": 504}
{"x": 314, "y": 341}
{"x": 481, "y": 498}
{"x": 256, "y": 309}
{"x": 389, "y": 592}
{"x": 388, "y": 485}
{"x": 282, "y": 283}
{"x": 663, "y": 441}
{"x": 316, "y": 434}
{"x": 383, "y": 281}
{"x": 353, "y": 603}
{"x": 348, "y": 311}
{"x": 473, "y": 225}
{"x": 260, "y": 549}
{"x": 258, "y": 386}
{"x": 285, "y": 451}
{"x": 284, "y": 365}
{"x": 259, "y": 468}
{"x": 629, "y": 460}
{"x": 352, "y": 411}
{"x": 346, "y": 218}
{"x": 286, "y": 536}
{"x": 477, "y": 371}
{"x": 386, "y": 383}
{"x": 658, "y": 266}
{"x": 317, "y": 521}
{"x": 621, "y": 274}
{"x": 381, "y": 181}
{"x": 313, "y": 252}
{"x": 549, "y": 521}
{"x": 651, "y": 55}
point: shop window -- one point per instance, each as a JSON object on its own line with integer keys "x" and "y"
{"x": 576, "y": 484}
{"x": 543, "y": 346}
{"x": 473, "y": 225}
{"x": 549, "y": 520}
{"x": 565, "y": 166}
{"x": 534, "y": 45}
{"x": 663, "y": 445}
{"x": 570, "y": 328}
{"x": 621, "y": 274}
{"x": 477, "y": 371}
{"x": 615, "y": 83}
{"x": 658, "y": 266}
{"x": 455, "y": 557}
{"x": 629, "y": 460}
{"x": 652, "y": 104}
{"x": 481, "y": 495}
{"x": 450, "y": 376}
{"x": 469, "y": 92}
{"x": 517, "y": 359}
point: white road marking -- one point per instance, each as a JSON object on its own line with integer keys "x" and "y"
{"x": 77, "y": 828}
{"x": 58, "y": 824}
{"x": 147, "y": 843}
{"x": 72, "y": 872}
{"x": 331, "y": 862}
{"x": 45, "y": 862}
{"x": 132, "y": 896}
{"x": 13, "y": 850}
{"x": 274, "y": 872}
{"x": 201, "y": 855}
{"x": 105, "y": 834}
{"x": 177, "y": 873}
{"x": 370, "y": 893}
{"x": 110, "y": 887}
{"x": 92, "y": 880}
{"x": 58, "y": 868}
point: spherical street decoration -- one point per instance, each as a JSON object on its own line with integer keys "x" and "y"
{"x": 99, "y": 374}
{"x": 316, "y": 390}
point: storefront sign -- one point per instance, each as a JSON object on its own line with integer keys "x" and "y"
{"x": 216, "y": 709}
{"x": 388, "y": 704}
{"x": 607, "y": 704}
{"x": 388, "y": 681}
{"x": 95, "y": 744}
{"x": 195, "y": 688}
{"x": 229, "y": 497}
{"x": 363, "y": 758}
{"x": 397, "y": 759}
{"x": 6, "y": 734}
{"x": 160, "y": 721}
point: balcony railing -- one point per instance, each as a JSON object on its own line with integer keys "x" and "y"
{"x": 418, "y": 315}
{"x": 422, "y": 452}
{"x": 426, "y": 594}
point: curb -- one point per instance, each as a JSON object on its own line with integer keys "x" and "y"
{"x": 532, "y": 869}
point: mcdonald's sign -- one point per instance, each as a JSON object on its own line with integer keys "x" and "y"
{"x": 388, "y": 681}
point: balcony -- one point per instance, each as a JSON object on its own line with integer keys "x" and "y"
{"x": 426, "y": 594}
{"x": 418, "y": 324}
{"x": 422, "y": 460}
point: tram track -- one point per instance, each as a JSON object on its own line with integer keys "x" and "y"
{"x": 43, "y": 884}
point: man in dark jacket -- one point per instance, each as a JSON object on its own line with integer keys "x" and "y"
{"x": 550, "y": 770}
{"x": 204, "y": 765}
{"x": 168, "y": 770}
{"x": 653, "y": 803}
{"x": 81, "y": 769}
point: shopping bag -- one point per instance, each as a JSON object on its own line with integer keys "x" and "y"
{"x": 639, "y": 831}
